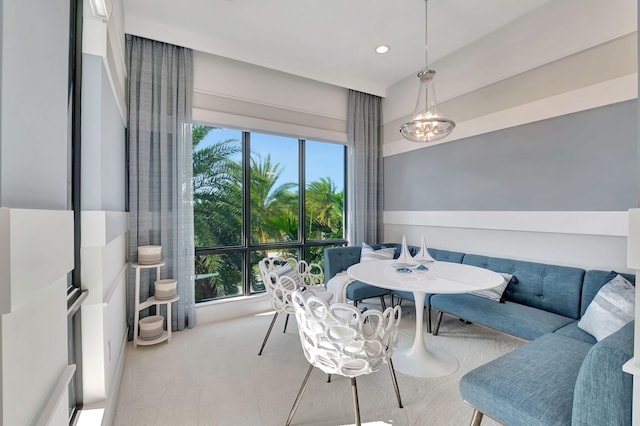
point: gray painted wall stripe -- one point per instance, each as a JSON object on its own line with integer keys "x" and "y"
{"x": 585, "y": 161}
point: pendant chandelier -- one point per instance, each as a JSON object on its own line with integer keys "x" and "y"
{"x": 427, "y": 123}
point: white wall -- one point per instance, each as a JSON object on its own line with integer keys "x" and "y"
{"x": 36, "y": 230}
{"x": 516, "y": 76}
{"x": 104, "y": 220}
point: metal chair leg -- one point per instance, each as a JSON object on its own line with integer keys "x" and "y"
{"x": 477, "y": 418}
{"x": 299, "y": 396}
{"x": 438, "y": 321}
{"x": 383, "y": 303}
{"x": 356, "y": 406}
{"x": 328, "y": 378}
{"x": 264, "y": 342}
{"x": 355, "y": 303}
{"x": 399, "y": 301}
{"x": 428, "y": 319}
{"x": 395, "y": 382}
{"x": 286, "y": 321}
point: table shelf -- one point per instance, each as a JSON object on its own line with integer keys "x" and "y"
{"x": 151, "y": 301}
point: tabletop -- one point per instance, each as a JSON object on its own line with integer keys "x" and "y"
{"x": 441, "y": 277}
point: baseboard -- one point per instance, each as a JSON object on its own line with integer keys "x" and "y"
{"x": 226, "y": 309}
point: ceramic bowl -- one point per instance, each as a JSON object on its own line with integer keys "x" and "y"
{"x": 148, "y": 255}
{"x": 151, "y": 327}
{"x": 165, "y": 289}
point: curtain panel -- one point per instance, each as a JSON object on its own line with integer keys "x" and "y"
{"x": 364, "y": 132}
{"x": 160, "y": 168}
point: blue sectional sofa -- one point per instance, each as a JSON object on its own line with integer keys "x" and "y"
{"x": 562, "y": 376}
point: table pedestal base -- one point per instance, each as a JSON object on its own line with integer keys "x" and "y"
{"x": 426, "y": 363}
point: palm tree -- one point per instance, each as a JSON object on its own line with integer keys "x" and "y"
{"x": 324, "y": 208}
{"x": 217, "y": 213}
{"x": 271, "y": 205}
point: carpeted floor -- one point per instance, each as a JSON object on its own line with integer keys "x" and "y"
{"x": 212, "y": 375}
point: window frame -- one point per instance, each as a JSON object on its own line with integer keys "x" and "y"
{"x": 302, "y": 244}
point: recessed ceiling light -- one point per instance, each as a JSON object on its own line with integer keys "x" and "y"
{"x": 382, "y": 49}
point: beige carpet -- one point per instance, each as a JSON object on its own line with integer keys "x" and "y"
{"x": 212, "y": 375}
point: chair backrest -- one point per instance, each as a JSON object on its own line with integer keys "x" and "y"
{"x": 339, "y": 339}
{"x": 283, "y": 276}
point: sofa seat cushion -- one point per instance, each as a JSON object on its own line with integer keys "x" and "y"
{"x": 532, "y": 385}
{"x": 572, "y": 330}
{"x": 358, "y": 291}
{"x": 511, "y": 318}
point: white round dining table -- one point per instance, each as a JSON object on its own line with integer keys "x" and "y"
{"x": 415, "y": 358}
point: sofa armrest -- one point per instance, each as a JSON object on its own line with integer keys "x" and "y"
{"x": 603, "y": 392}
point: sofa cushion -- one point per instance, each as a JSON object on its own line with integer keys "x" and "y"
{"x": 603, "y": 393}
{"x": 446, "y": 255}
{"x": 338, "y": 259}
{"x": 551, "y": 288}
{"x": 572, "y": 330}
{"x": 532, "y": 385}
{"x": 611, "y": 309}
{"x": 509, "y": 317}
{"x": 358, "y": 290}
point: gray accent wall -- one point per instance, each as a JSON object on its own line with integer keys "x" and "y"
{"x": 585, "y": 161}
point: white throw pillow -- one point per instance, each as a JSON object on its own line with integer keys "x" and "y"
{"x": 611, "y": 309}
{"x": 495, "y": 293}
{"x": 287, "y": 271}
{"x": 368, "y": 253}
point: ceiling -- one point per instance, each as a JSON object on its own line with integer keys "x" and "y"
{"x": 332, "y": 41}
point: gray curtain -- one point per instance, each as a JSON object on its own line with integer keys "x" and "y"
{"x": 160, "y": 170}
{"x": 364, "y": 123}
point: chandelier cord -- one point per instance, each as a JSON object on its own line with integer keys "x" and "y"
{"x": 426, "y": 45}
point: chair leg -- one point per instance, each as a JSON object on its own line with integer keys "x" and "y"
{"x": 477, "y": 417}
{"x": 438, "y": 320}
{"x": 395, "y": 382}
{"x": 428, "y": 319}
{"x": 356, "y": 406}
{"x": 399, "y": 301}
{"x": 383, "y": 303}
{"x": 299, "y": 396}
{"x": 286, "y": 321}
{"x": 355, "y": 303}
{"x": 328, "y": 378}
{"x": 264, "y": 342}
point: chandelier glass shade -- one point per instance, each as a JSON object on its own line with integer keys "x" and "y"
{"x": 427, "y": 124}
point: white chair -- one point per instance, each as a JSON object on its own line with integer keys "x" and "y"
{"x": 281, "y": 277}
{"x": 339, "y": 339}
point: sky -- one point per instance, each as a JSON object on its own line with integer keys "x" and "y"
{"x": 322, "y": 159}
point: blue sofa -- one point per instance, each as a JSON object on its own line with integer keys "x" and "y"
{"x": 562, "y": 376}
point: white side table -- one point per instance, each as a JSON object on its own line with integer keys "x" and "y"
{"x": 166, "y": 335}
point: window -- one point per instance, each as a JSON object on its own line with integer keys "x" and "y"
{"x": 248, "y": 205}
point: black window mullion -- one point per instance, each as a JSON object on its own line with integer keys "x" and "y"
{"x": 302, "y": 186}
{"x": 246, "y": 211}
